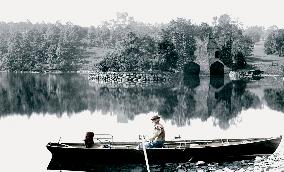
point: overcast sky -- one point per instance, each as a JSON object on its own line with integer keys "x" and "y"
{"x": 93, "y": 12}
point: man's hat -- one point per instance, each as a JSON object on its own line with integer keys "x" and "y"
{"x": 155, "y": 117}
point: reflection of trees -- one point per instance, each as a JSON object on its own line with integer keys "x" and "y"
{"x": 71, "y": 93}
{"x": 228, "y": 101}
{"x": 28, "y": 93}
{"x": 191, "y": 81}
{"x": 189, "y": 101}
{"x": 132, "y": 101}
{"x": 274, "y": 98}
{"x": 167, "y": 108}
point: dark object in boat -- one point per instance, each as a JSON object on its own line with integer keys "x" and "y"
{"x": 65, "y": 155}
{"x": 89, "y": 139}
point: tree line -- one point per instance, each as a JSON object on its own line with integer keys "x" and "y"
{"x": 174, "y": 44}
{"x": 41, "y": 47}
{"x": 131, "y": 45}
{"x": 274, "y": 43}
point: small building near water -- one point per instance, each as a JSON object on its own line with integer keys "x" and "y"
{"x": 208, "y": 58}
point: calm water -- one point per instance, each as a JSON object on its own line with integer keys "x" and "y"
{"x": 39, "y": 108}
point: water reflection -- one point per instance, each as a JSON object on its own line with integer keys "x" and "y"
{"x": 193, "y": 98}
{"x": 227, "y": 101}
{"x": 53, "y": 165}
{"x": 275, "y": 98}
{"x": 216, "y": 81}
{"x": 191, "y": 81}
{"x": 38, "y": 93}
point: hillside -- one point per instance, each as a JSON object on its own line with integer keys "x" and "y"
{"x": 270, "y": 64}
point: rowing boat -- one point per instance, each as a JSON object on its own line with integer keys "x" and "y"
{"x": 109, "y": 152}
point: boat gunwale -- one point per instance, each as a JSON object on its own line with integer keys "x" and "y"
{"x": 184, "y": 144}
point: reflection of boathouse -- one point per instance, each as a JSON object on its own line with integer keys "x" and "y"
{"x": 219, "y": 100}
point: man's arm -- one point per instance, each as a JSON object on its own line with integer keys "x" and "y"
{"x": 156, "y": 133}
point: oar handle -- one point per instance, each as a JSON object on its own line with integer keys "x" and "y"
{"x": 145, "y": 154}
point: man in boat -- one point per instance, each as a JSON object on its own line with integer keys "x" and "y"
{"x": 158, "y": 138}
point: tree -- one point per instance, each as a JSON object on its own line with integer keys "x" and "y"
{"x": 224, "y": 34}
{"x": 230, "y": 39}
{"x": 3, "y": 50}
{"x": 280, "y": 42}
{"x": 168, "y": 55}
{"x": 14, "y": 55}
{"x": 182, "y": 34}
{"x": 240, "y": 62}
{"x": 269, "y": 30}
{"x": 28, "y": 47}
{"x": 243, "y": 45}
{"x": 37, "y": 52}
{"x": 270, "y": 43}
{"x": 203, "y": 31}
{"x": 134, "y": 53}
{"x": 51, "y": 39}
{"x": 274, "y": 43}
{"x": 70, "y": 48}
{"x": 254, "y": 33}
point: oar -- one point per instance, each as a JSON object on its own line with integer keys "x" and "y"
{"x": 145, "y": 154}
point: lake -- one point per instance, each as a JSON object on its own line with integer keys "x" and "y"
{"x": 39, "y": 108}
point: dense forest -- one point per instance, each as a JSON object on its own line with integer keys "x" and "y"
{"x": 36, "y": 47}
{"x": 129, "y": 45}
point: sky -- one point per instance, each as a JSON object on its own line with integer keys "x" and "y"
{"x": 94, "y": 12}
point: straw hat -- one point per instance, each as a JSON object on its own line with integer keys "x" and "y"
{"x": 155, "y": 117}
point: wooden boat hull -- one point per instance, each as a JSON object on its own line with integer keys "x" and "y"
{"x": 174, "y": 152}
{"x": 236, "y": 152}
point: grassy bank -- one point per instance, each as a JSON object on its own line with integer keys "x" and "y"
{"x": 270, "y": 64}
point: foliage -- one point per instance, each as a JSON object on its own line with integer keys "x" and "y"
{"x": 275, "y": 42}
{"x": 230, "y": 39}
{"x": 69, "y": 48}
{"x": 269, "y": 30}
{"x": 41, "y": 47}
{"x": 134, "y": 53}
{"x": 135, "y": 46}
{"x": 182, "y": 34}
{"x": 280, "y": 42}
{"x": 240, "y": 62}
{"x": 114, "y": 31}
{"x": 244, "y": 45}
{"x": 13, "y": 56}
{"x": 168, "y": 55}
{"x": 175, "y": 46}
{"x": 203, "y": 31}
{"x": 255, "y": 33}
{"x": 270, "y": 43}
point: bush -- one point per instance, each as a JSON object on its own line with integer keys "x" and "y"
{"x": 240, "y": 62}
